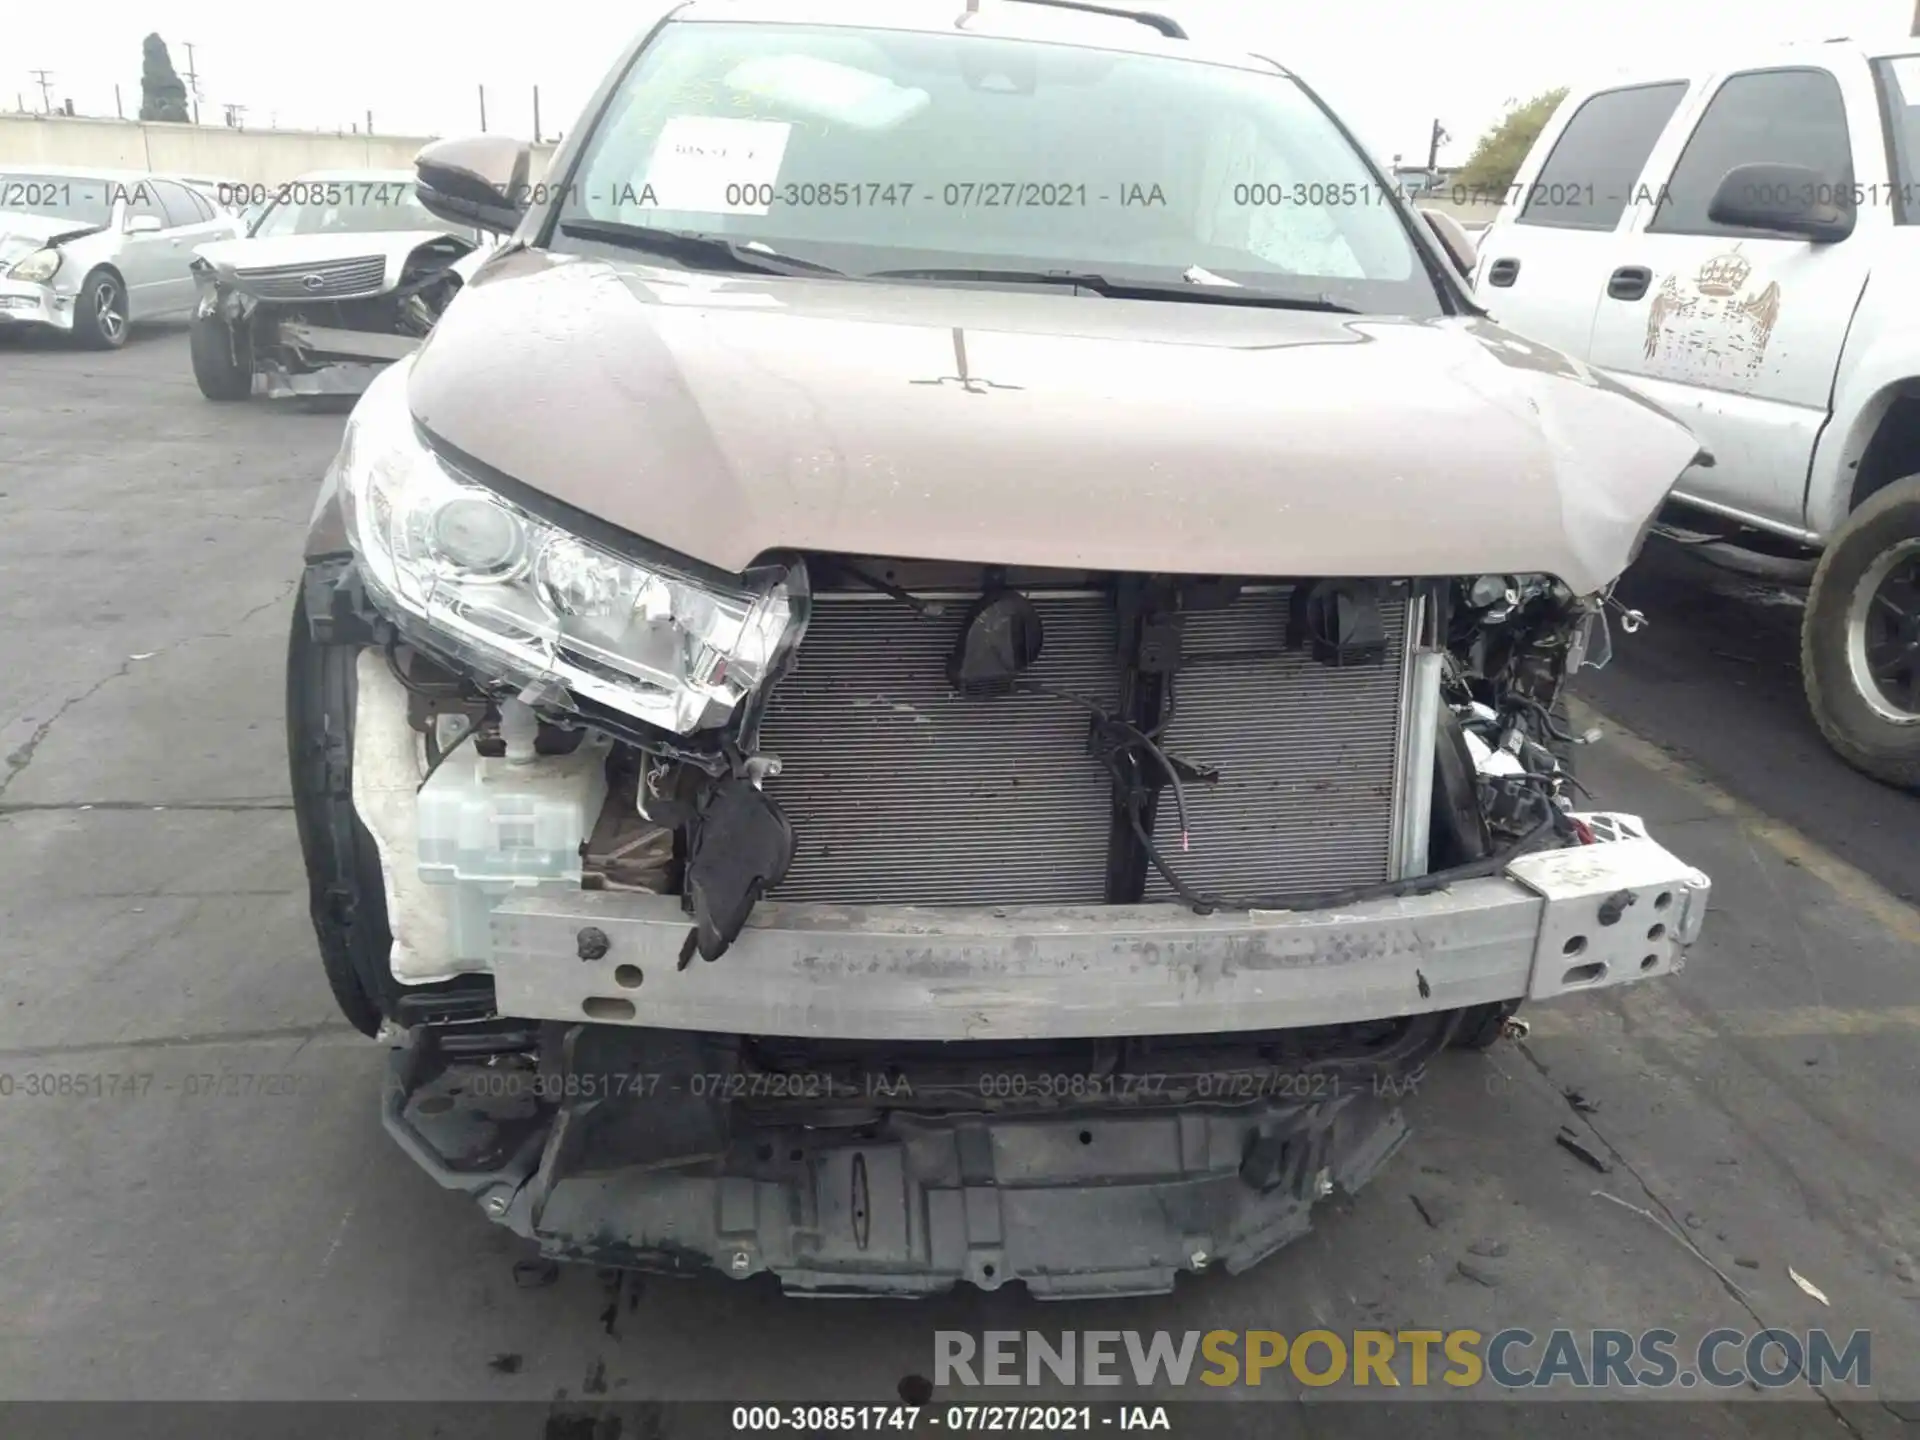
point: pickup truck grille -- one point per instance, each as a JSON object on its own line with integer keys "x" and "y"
{"x": 903, "y": 792}
{"x": 323, "y": 280}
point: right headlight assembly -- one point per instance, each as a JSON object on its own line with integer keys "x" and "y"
{"x": 538, "y": 605}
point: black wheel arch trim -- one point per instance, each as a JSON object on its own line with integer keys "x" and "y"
{"x": 346, "y": 884}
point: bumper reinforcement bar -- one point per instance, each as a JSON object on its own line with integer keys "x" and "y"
{"x": 1555, "y": 923}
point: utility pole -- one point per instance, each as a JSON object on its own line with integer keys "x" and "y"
{"x": 1916, "y": 17}
{"x": 536, "y": 106}
{"x": 44, "y": 78}
{"x": 193, "y": 82}
{"x": 369, "y": 122}
{"x": 483, "y": 109}
{"x": 234, "y": 112}
{"x": 118, "y": 109}
{"x": 1440, "y": 137}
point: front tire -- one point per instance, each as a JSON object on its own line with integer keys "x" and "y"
{"x": 214, "y": 347}
{"x": 100, "y": 315}
{"x": 1860, "y": 642}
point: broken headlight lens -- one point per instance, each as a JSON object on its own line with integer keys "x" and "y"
{"x": 533, "y": 604}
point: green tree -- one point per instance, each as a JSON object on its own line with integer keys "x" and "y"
{"x": 1497, "y": 155}
{"x": 162, "y": 96}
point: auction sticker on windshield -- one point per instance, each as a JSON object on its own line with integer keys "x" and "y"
{"x": 713, "y": 165}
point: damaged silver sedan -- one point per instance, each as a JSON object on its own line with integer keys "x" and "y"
{"x": 908, "y": 743}
{"x": 341, "y": 273}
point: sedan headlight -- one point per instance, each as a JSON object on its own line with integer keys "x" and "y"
{"x": 538, "y": 604}
{"x": 38, "y": 267}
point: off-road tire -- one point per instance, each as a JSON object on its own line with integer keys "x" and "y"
{"x": 87, "y": 327}
{"x": 1868, "y": 741}
{"x": 346, "y": 890}
{"x": 219, "y": 375}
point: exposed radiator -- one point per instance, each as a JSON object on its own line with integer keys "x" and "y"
{"x": 902, "y": 792}
{"x": 1306, "y": 756}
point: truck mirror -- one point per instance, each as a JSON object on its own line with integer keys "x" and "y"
{"x": 1788, "y": 199}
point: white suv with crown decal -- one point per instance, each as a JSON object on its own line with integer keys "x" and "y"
{"x": 1742, "y": 245}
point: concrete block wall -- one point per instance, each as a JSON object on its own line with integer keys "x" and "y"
{"x": 253, "y": 156}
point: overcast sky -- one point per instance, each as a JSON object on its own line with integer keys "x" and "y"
{"x": 1391, "y": 67}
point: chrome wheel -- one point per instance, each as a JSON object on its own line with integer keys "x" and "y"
{"x": 1883, "y": 634}
{"x": 109, "y": 312}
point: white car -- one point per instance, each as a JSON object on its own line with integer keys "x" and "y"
{"x": 341, "y": 273}
{"x": 228, "y": 195}
{"x": 1741, "y": 244}
{"x": 88, "y": 252}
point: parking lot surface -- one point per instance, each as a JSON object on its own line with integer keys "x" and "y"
{"x": 239, "y": 1226}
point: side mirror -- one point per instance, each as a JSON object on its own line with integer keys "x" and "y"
{"x": 478, "y": 180}
{"x": 144, "y": 225}
{"x": 1787, "y": 199}
{"x": 1453, "y": 239}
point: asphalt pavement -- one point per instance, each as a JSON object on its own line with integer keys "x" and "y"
{"x": 236, "y": 1225}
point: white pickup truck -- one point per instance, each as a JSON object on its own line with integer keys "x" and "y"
{"x": 1742, "y": 245}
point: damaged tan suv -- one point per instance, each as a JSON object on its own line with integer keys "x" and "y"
{"x": 946, "y": 667}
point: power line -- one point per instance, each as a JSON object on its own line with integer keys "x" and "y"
{"x": 193, "y": 81}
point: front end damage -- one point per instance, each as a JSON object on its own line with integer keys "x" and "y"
{"x": 320, "y": 327}
{"x": 885, "y": 924}
{"x": 39, "y": 281}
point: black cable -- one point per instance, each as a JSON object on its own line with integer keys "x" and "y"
{"x": 404, "y": 680}
{"x": 1106, "y": 717}
{"x": 473, "y": 728}
{"x": 1205, "y": 904}
{"x": 1551, "y": 780}
{"x": 1487, "y": 865}
{"x": 1169, "y": 704}
{"x": 1556, "y": 733}
{"x": 1199, "y": 901}
{"x": 1546, "y": 718}
{"x": 931, "y": 609}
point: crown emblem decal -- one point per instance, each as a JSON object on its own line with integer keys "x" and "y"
{"x": 1712, "y": 331}
{"x": 1723, "y": 274}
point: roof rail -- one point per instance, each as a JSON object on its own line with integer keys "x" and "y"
{"x": 1167, "y": 27}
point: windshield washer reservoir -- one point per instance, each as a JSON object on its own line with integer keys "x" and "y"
{"x": 489, "y": 829}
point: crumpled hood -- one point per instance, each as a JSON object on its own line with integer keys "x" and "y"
{"x": 21, "y": 233}
{"x": 722, "y": 417}
{"x": 277, "y": 250}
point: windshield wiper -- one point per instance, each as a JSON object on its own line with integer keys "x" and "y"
{"x": 693, "y": 249}
{"x": 1126, "y": 289}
